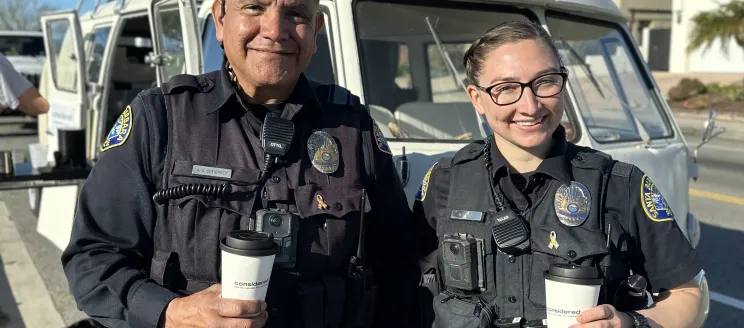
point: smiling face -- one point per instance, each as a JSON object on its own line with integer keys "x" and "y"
{"x": 268, "y": 42}
{"x": 529, "y": 122}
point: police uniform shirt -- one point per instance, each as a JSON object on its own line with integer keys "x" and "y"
{"x": 111, "y": 245}
{"x": 653, "y": 246}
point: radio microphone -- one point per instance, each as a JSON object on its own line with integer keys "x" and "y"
{"x": 276, "y": 138}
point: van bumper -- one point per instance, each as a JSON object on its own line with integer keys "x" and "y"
{"x": 693, "y": 230}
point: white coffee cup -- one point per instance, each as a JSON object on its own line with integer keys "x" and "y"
{"x": 247, "y": 262}
{"x": 569, "y": 290}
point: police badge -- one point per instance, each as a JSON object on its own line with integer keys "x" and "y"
{"x": 323, "y": 152}
{"x": 572, "y": 204}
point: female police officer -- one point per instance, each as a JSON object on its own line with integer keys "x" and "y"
{"x": 568, "y": 204}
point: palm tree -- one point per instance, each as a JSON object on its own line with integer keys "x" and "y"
{"x": 724, "y": 23}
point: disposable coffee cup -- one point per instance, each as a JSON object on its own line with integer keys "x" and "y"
{"x": 569, "y": 290}
{"x": 247, "y": 262}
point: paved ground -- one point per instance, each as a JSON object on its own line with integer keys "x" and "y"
{"x": 716, "y": 198}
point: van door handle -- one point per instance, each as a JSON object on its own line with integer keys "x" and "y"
{"x": 401, "y": 165}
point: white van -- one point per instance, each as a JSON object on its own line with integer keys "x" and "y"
{"x": 402, "y": 57}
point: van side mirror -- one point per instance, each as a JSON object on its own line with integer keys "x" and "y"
{"x": 710, "y": 130}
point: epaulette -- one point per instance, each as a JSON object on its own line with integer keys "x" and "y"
{"x": 332, "y": 94}
{"x": 470, "y": 152}
{"x": 181, "y": 82}
{"x": 585, "y": 157}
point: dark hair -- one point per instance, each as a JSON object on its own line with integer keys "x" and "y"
{"x": 500, "y": 35}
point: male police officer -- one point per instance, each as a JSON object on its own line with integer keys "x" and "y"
{"x": 131, "y": 262}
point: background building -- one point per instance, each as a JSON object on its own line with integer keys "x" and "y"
{"x": 650, "y": 22}
{"x": 713, "y": 60}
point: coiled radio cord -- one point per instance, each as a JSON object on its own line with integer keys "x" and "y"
{"x": 181, "y": 191}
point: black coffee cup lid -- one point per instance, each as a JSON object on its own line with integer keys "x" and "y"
{"x": 249, "y": 243}
{"x": 573, "y": 274}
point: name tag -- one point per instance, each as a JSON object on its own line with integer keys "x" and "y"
{"x": 211, "y": 171}
{"x": 467, "y": 215}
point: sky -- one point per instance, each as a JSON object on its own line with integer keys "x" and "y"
{"x": 70, "y": 4}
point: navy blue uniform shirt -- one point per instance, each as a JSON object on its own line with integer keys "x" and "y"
{"x": 111, "y": 247}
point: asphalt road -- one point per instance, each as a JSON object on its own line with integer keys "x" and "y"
{"x": 717, "y": 198}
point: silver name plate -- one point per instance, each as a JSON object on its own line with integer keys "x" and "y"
{"x": 466, "y": 215}
{"x": 211, "y": 171}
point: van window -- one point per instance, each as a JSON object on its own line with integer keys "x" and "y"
{"x": 320, "y": 68}
{"x": 432, "y": 106}
{"x": 97, "y": 47}
{"x": 606, "y": 80}
{"x": 443, "y": 85}
{"x": 171, "y": 36}
{"x": 63, "y": 57}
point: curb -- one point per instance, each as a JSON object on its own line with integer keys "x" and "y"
{"x": 28, "y": 289}
{"x": 726, "y": 117}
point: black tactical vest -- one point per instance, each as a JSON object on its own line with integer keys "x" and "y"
{"x": 521, "y": 291}
{"x": 188, "y": 230}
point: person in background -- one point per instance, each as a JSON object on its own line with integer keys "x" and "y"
{"x": 17, "y": 93}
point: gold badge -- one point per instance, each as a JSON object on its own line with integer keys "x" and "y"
{"x": 323, "y": 152}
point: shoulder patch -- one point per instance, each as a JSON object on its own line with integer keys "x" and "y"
{"x": 120, "y": 131}
{"x": 654, "y": 205}
{"x": 424, "y": 186}
{"x": 380, "y": 139}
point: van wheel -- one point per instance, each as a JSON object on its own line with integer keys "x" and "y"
{"x": 34, "y": 200}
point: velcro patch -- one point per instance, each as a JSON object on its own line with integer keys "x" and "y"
{"x": 656, "y": 207}
{"x": 424, "y": 186}
{"x": 380, "y": 139}
{"x": 120, "y": 131}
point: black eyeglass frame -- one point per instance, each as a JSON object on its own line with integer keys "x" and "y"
{"x": 563, "y": 73}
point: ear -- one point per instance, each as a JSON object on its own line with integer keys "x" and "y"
{"x": 319, "y": 23}
{"x": 475, "y": 98}
{"x": 219, "y": 20}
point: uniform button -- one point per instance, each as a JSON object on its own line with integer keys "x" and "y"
{"x": 512, "y": 259}
{"x": 325, "y": 225}
{"x": 276, "y": 179}
{"x": 264, "y": 194}
{"x": 204, "y": 84}
{"x": 338, "y": 206}
{"x": 571, "y": 254}
{"x": 512, "y": 299}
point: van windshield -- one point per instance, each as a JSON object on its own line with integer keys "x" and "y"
{"x": 606, "y": 80}
{"x": 408, "y": 86}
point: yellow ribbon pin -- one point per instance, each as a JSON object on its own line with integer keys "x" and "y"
{"x": 321, "y": 204}
{"x": 553, "y": 241}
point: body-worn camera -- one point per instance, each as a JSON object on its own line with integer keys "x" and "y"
{"x": 462, "y": 257}
{"x": 284, "y": 226}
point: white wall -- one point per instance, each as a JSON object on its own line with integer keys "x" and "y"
{"x": 713, "y": 60}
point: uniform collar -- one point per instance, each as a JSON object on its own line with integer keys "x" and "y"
{"x": 555, "y": 164}
{"x": 302, "y": 95}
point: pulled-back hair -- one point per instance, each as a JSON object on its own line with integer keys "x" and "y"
{"x": 499, "y": 35}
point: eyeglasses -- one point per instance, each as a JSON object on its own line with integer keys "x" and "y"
{"x": 543, "y": 86}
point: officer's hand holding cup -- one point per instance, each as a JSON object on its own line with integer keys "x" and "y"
{"x": 208, "y": 309}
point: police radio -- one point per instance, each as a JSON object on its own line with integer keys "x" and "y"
{"x": 361, "y": 290}
{"x": 284, "y": 226}
{"x": 276, "y": 139}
